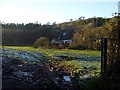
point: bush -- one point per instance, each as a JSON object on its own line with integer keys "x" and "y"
{"x": 77, "y": 47}
{"x": 42, "y": 42}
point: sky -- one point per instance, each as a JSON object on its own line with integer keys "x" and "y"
{"x": 43, "y": 11}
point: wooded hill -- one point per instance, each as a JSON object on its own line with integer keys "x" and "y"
{"x": 85, "y": 33}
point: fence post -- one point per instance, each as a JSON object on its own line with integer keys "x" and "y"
{"x": 103, "y": 55}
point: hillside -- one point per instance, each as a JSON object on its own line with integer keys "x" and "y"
{"x": 81, "y": 31}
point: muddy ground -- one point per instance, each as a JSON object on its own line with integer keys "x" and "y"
{"x": 19, "y": 75}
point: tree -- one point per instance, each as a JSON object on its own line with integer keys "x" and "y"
{"x": 112, "y": 41}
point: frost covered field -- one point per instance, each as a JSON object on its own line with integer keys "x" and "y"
{"x": 82, "y": 59}
{"x": 23, "y": 63}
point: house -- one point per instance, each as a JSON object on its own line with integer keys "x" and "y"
{"x": 67, "y": 41}
{"x": 64, "y": 37}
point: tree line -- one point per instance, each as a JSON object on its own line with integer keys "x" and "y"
{"x": 85, "y": 33}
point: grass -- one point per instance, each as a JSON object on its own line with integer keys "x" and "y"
{"x": 53, "y": 52}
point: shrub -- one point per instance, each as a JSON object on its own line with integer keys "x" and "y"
{"x": 42, "y": 42}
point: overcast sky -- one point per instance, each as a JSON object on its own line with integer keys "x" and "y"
{"x": 43, "y": 11}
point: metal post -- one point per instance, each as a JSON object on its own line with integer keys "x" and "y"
{"x": 103, "y": 55}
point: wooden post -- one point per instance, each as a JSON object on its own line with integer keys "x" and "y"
{"x": 103, "y": 55}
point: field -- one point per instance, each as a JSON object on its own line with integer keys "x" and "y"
{"x": 68, "y": 63}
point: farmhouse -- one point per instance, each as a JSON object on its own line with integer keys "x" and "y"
{"x": 64, "y": 37}
{"x": 66, "y": 41}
